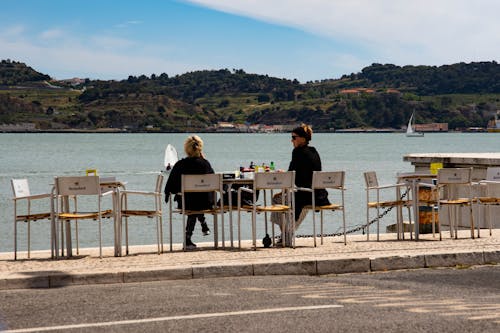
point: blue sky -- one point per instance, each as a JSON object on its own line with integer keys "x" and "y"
{"x": 295, "y": 39}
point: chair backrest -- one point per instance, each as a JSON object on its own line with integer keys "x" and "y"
{"x": 454, "y": 176}
{"x": 493, "y": 174}
{"x": 159, "y": 182}
{"x": 80, "y": 185}
{"x": 274, "y": 180}
{"x": 328, "y": 179}
{"x": 201, "y": 183}
{"x": 20, "y": 188}
{"x": 371, "y": 179}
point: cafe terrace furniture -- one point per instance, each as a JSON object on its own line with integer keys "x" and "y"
{"x": 424, "y": 200}
{"x": 455, "y": 189}
{"x": 86, "y": 195}
{"x": 491, "y": 197}
{"x": 479, "y": 162}
{"x": 231, "y": 184}
{"x": 268, "y": 183}
{"x": 196, "y": 184}
{"x": 377, "y": 197}
{"x": 154, "y": 203}
{"x": 25, "y": 212}
{"x": 327, "y": 180}
{"x": 114, "y": 185}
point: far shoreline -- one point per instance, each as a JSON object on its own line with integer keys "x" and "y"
{"x": 75, "y": 131}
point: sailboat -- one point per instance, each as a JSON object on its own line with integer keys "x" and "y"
{"x": 409, "y": 129}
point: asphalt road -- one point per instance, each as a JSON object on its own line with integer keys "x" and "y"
{"x": 427, "y": 300}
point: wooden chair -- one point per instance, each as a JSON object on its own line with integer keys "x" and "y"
{"x": 327, "y": 180}
{"x": 155, "y": 210}
{"x": 491, "y": 197}
{"x": 394, "y": 200}
{"x": 268, "y": 183}
{"x": 451, "y": 185}
{"x": 26, "y": 213}
{"x": 196, "y": 184}
{"x": 75, "y": 187}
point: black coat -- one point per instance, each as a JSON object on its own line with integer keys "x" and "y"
{"x": 304, "y": 161}
{"x": 190, "y": 166}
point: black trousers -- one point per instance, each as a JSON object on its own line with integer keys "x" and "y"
{"x": 191, "y": 222}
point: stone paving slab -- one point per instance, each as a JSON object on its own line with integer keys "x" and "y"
{"x": 333, "y": 257}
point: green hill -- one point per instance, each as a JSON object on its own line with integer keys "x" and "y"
{"x": 15, "y": 73}
{"x": 379, "y": 96}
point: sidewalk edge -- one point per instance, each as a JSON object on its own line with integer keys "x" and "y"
{"x": 306, "y": 267}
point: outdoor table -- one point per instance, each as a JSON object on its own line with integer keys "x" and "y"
{"x": 230, "y": 182}
{"x": 115, "y": 186}
{"x": 415, "y": 178}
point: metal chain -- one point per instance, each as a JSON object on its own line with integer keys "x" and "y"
{"x": 358, "y": 228}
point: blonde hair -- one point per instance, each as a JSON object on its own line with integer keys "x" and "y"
{"x": 193, "y": 146}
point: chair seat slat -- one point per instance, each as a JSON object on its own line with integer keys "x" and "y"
{"x": 150, "y": 213}
{"x": 86, "y": 215}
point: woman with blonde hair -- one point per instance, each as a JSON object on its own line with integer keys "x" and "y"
{"x": 193, "y": 164}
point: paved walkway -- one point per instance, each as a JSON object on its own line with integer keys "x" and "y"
{"x": 333, "y": 257}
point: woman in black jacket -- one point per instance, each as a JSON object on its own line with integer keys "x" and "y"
{"x": 305, "y": 160}
{"x": 194, "y": 164}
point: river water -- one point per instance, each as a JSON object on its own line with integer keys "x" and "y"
{"x": 138, "y": 158}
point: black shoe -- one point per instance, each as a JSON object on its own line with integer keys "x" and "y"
{"x": 266, "y": 241}
{"x": 190, "y": 245}
{"x": 205, "y": 229}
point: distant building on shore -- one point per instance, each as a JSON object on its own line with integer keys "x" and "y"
{"x": 20, "y": 127}
{"x": 228, "y": 127}
{"x": 431, "y": 127}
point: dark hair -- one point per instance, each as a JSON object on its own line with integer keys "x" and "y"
{"x": 304, "y": 131}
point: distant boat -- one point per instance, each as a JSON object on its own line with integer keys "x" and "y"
{"x": 170, "y": 157}
{"x": 409, "y": 129}
{"x": 494, "y": 125}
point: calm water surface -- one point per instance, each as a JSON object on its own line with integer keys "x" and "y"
{"x": 138, "y": 158}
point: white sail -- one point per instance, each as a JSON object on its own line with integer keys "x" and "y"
{"x": 170, "y": 157}
{"x": 410, "y": 131}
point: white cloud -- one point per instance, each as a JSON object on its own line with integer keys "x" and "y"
{"x": 111, "y": 43}
{"x": 128, "y": 23}
{"x": 398, "y": 31}
{"x": 13, "y": 31}
{"x": 95, "y": 57}
{"x": 358, "y": 33}
{"x": 52, "y": 34}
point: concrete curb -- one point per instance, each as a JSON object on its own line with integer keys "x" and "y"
{"x": 305, "y": 267}
{"x": 342, "y": 266}
{"x": 397, "y": 262}
{"x": 454, "y": 259}
{"x": 492, "y": 257}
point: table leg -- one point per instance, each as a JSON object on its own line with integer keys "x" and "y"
{"x": 416, "y": 218}
{"x": 117, "y": 223}
{"x": 67, "y": 225}
{"x": 69, "y": 250}
{"x": 230, "y": 209}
